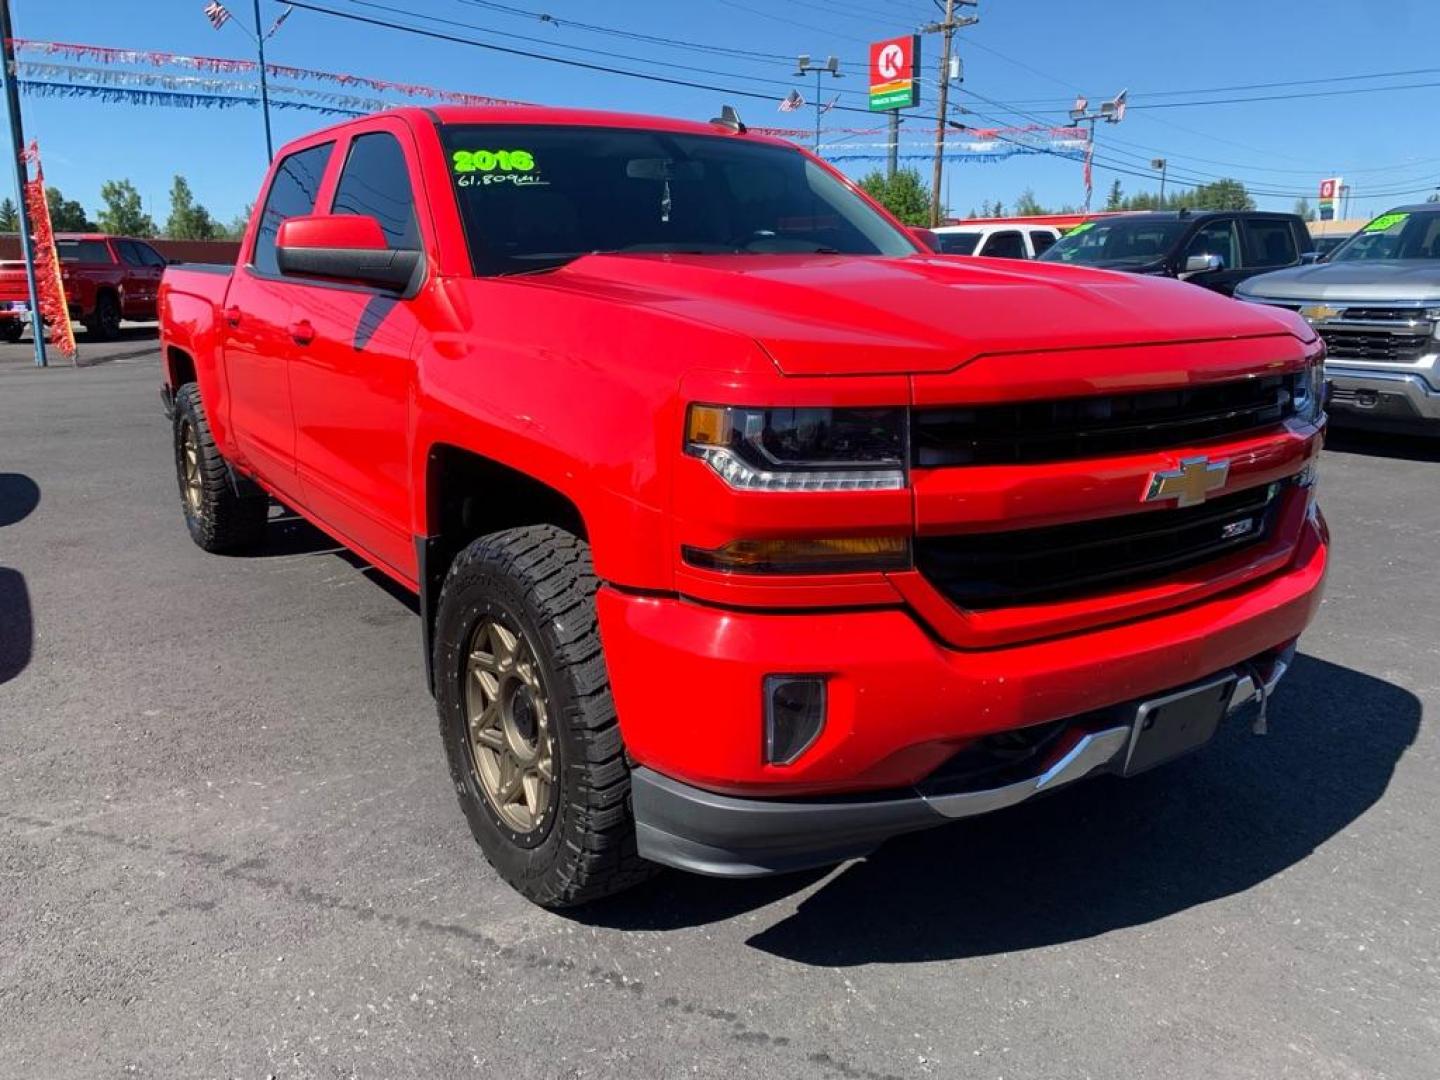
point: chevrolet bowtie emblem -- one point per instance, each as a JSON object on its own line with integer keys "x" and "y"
{"x": 1321, "y": 312}
{"x": 1190, "y": 483}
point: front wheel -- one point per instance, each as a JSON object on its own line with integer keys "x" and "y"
{"x": 527, "y": 719}
{"x": 104, "y": 322}
{"x": 12, "y": 330}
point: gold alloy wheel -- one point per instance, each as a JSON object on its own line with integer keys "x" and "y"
{"x": 507, "y": 716}
{"x": 190, "y": 467}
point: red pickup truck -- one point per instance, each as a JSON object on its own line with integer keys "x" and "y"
{"x": 746, "y": 530}
{"x": 107, "y": 278}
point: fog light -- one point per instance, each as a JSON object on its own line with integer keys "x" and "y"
{"x": 794, "y": 715}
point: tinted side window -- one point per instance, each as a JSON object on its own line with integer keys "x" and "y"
{"x": 1041, "y": 242}
{"x": 130, "y": 253}
{"x": 1005, "y": 245}
{"x": 958, "y": 243}
{"x": 1217, "y": 238}
{"x": 83, "y": 251}
{"x": 292, "y": 194}
{"x": 149, "y": 255}
{"x": 376, "y": 182}
{"x": 1271, "y": 242}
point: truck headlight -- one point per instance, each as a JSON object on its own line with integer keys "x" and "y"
{"x": 800, "y": 449}
{"x": 1309, "y": 391}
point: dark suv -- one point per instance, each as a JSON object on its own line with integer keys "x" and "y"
{"x": 1214, "y": 248}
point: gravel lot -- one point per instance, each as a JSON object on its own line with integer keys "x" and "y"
{"x": 228, "y": 847}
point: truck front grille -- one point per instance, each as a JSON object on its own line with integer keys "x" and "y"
{"x": 1064, "y": 429}
{"x": 1004, "y": 569}
{"x": 1382, "y": 346}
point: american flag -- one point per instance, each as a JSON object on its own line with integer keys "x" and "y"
{"x": 217, "y": 14}
{"x": 283, "y": 16}
{"x": 829, "y": 104}
{"x": 1089, "y": 174}
{"x": 792, "y": 101}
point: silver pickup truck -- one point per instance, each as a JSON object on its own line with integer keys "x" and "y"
{"x": 1376, "y": 302}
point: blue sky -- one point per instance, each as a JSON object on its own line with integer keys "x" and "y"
{"x": 1032, "y": 55}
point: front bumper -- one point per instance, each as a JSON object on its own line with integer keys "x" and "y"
{"x": 1382, "y": 399}
{"x": 697, "y": 830}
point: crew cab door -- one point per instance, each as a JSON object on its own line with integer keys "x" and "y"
{"x": 141, "y": 285}
{"x": 353, "y": 371}
{"x": 257, "y": 347}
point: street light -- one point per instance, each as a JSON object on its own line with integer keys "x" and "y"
{"x": 803, "y": 66}
{"x": 1161, "y": 164}
{"x": 1112, "y": 112}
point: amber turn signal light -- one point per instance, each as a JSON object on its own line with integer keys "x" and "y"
{"x": 806, "y": 556}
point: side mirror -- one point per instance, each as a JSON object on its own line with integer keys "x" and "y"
{"x": 1309, "y": 258}
{"x": 344, "y": 247}
{"x": 926, "y": 238}
{"x": 1204, "y": 264}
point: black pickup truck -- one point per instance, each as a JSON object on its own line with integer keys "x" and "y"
{"x": 1214, "y": 248}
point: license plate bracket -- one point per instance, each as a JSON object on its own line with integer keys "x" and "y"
{"x": 1169, "y": 726}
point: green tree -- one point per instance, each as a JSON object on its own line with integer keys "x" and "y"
{"x": 903, "y": 194}
{"x": 9, "y": 216}
{"x": 1434, "y": 196}
{"x": 188, "y": 219}
{"x": 123, "y": 214}
{"x": 1116, "y": 199}
{"x": 1303, "y": 208}
{"x": 1221, "y": 195}
{"x": 238, "y": 224}
{"x": 1027, "y": 205}
{"x": 66, "y": 215}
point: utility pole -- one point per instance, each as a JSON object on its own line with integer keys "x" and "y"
{"x": 17, "y": 145}
{"x": 947, "y": 29}
{"x": 260, "y": 37}
{"x": 1161, "y": 164}
{"x": 802, "y": 66}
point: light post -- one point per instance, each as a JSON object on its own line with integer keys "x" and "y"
{"x": 803, "y": 66}
{"x": 1112, "y": 112}
{"x": 1161, "y": 164}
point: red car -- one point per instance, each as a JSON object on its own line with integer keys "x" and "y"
{"x": 746, "y": 531}
{"x": 107, "y": 278}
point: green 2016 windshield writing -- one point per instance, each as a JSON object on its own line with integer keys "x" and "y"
{"x": 1385, "y": 222}
{"x": 467, "y": 161}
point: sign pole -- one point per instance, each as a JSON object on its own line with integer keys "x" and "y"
{"x": 17, "y": 145}
{"x": 264, "y": 84}
{"x": 892, "y": 151}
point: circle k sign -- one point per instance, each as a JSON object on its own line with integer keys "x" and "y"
{"x": 893, "y": 64}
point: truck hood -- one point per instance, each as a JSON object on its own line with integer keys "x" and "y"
{"x": 1360, "y": 279}
{"x": 845, "y": 315}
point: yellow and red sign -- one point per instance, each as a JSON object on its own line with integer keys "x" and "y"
{"x": 894, "y": 73}
{"x": 1330, "y": 191}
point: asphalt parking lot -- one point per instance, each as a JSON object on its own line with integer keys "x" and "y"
{"x": 229, "y": 848}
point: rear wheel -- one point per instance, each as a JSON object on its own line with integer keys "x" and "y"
{"x": 104, "y": 322}
{"x": 527, "y": 720}
{"x": 224, "y": 513}
{"x": 11, "y": 330}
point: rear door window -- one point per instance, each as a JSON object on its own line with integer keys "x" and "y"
{"x": 83, "y": 251}
{"x": 1271, "y": 243}
{"x": 1005, "y": 245}
{"x": 292, "y": 194}
{"x": 130, "y": 253}
{"x": 1041, "y": 241}
{"x": 376, "y": 182}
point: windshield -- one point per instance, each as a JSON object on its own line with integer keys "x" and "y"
{"x": 535, "y": 197}
{"x": 1396, "y": 235}
{"x": 958, "y": 243}
{"x": 1116, "y": 242}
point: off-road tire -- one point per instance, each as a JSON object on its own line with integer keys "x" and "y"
{"x": 227, "y": 513}
{"x": 539, "y": 582}
{"x": 103, "y": 324}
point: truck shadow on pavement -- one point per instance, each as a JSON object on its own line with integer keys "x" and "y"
{"x": 19, "y": 496}
{"x": 1377, "y": 444}
{"x": 1101, "y": 856}
{"x": 288, "y": 534}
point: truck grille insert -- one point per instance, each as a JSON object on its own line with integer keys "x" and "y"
{"x": 1006, "y": 569}
{"x": 1029, "y": 432}
{"x": 1382, "y": 346}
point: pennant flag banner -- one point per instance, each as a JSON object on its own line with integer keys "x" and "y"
{"x": 53, "y": 309}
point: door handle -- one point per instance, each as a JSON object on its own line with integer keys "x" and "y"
{"x": 232, "y": 315}
{"x": 302, "y": 332}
